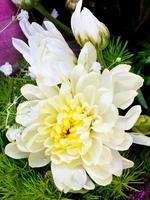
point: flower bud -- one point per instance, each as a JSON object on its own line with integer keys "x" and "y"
{"x": 71, "y": 4}
{"x": 86, "y": 27}
{"x": 142, "y": 125}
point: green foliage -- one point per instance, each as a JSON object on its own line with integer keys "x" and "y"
{"x": 117, "y": 53}
{"x": 142, "y": 59}
{"x": 10, "y": 96}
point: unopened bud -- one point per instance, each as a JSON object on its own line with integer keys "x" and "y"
{"x": 71, "y": 4}
{"x": 142, "y": 125}
{"x": 86, "y": 27}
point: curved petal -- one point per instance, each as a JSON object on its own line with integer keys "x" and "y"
{"x": 38, "y": 159}
{"x": 97, "y": 154}
{"x": 53, "y": 32}
{"x": 106, "y": 80}
{"x": 139, "y": 138}
{"x": 88, "y": 79}
{"x": 87, "y": 56}
{"x": 12, "y": 151}
{"x": 126, "y": 122}
{"x": 99, "y": 174}
{"x": 116, "y": 165}
{"x": 27, "y": 113}
{"x": 48, "y": 91}
{"x": 89, "y": 185}
{"x": 127, "y": 163}
{"x": 23, "y": 48}
{"x": 124, "y": 99}
{"x": 30, "y": 140}
{"x": 121, "y": 68}
{"x": 67, "y": 178}
{"x": 31, "y": 92}
{"x": 104, "y": 98}
{"x": 77, "y": 72}
{"x": 107, "y": 121}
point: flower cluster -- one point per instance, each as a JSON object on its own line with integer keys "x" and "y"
{"x": 71, "y": 117}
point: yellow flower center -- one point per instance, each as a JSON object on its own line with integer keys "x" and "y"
{"x": 67, "y": 124}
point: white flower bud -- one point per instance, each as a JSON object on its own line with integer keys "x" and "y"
{"x": 86, "y": 27}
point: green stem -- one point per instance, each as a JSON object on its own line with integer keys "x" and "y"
{"x": 46, "y": 14}
{"x": 101, "y": 59}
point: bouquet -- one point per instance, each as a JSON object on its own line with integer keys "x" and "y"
{"x": 74, "y": 115}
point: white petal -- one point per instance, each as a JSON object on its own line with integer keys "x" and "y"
{"x": 31, "y": 92}
{"x": 12, "y": 151}
{"x": 104, "y": 98}
{"x": 13, "y": 133}
{"x": 99, "y": 174}
{"x": 126, "y": 122}
{"x": 89, "y": 185}
{"x": 23, "y": 48}
{"x": 76, "y": 22}
{"x": 27, "y": 113}
{"x": 48, "y": 91}
{"x": 127, "y": 163}
{"x": 87, "y": 80}
{"x": 140, "y": 139}
{"x": 29, "y": 139}
{"x": 124, "y": 99}
{"x": 134, "y": 81}
{"x": 121, "y": 68}
{"x": 97, "y": 154}
{"x": 38, "y": 159}
{"x": 25, "y": 27}
{"x": 66, "y": 176}
{"x": 75, "y": 75}
{"x": 87, "y": 56}
{"x": 106, "y": 80}
{"x": 53, "y": 30}
{"x": 107, "y": 121}
{"x": 116, "y": 165}
{"x": 126, "y": 143}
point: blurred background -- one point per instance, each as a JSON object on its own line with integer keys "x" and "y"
{"x": 128, "y": 18}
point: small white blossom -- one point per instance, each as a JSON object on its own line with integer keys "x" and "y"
{"x": 54, "y": 13}
{"x": 96, "y": 67}
{"x": 6, "y": 69}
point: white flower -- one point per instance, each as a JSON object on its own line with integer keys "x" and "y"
{"x": 50, "y": 57}
{"x": 54, "y": 13}
{"x": 86, "y": 27}
{"x": 6, "y": 69}
{"x": 76, "y": 127}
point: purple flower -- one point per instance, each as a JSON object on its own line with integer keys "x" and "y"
{"x": 142, "y": 194}
{"x": 7, "y": 52}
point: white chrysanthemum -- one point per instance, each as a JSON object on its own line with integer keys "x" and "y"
{"x": 77, "y": 128}
{"x": 48, "y": 54}
{"x": 6, "y": 69}
{"x": 86, "y": 27}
